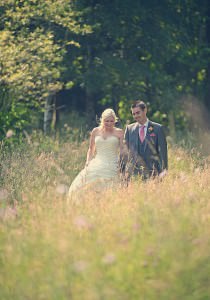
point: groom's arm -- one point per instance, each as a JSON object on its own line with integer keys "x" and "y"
{"x": 126, "y": 137}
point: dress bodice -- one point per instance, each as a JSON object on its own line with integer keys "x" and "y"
{"x": 107, "y": 149}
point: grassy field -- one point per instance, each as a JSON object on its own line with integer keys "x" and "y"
{"x": 147, "y": 241}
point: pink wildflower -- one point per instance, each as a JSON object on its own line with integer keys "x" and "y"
{"x": 109, "y": 259}
{"x": 9, "y": 133}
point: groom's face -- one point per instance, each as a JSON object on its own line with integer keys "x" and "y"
{"x": 139, "y": 115}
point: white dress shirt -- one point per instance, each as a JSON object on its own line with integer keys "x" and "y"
{"x": 145, "y": 127}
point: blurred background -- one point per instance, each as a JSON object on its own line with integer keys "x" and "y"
{"x": 62, "y": 62}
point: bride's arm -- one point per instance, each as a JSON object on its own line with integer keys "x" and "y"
{"x": 91, "y": 149}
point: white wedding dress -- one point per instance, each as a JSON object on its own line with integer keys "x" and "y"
{"x": 101, "y": 172}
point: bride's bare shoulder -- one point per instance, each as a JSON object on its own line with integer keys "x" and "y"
{"x": 95, "y": 131}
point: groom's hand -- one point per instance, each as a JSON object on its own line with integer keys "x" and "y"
{"x": 163, "y": 174}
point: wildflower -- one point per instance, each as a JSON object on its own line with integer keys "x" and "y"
{"x": 9, "y": 213}
{"x": 150, "y": 251}
{"x": 109, "y": 259}
{"x": 80, "y": 266}
{"x": 145, "y": 264}
{"x": 2, "y": 213}
{"x": 61, "y": 189}
{"x": 9, "y": 133}
{"x": 81, "y": 222}
{"x": 136, "y": 227}
{"x": 3, "y": 194}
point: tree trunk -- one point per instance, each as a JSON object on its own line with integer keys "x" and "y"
{"x": 48, "y": 114}
{"x": 90, "y": 111}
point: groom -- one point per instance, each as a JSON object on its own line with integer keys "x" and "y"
{"x": 146, "y": 143}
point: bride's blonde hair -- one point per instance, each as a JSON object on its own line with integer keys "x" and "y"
{"x": 106, "y": 114}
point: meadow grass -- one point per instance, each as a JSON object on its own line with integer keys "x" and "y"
{"x": 145, "y": 241}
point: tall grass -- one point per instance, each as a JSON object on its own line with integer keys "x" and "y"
{"x": 145, "y": 241}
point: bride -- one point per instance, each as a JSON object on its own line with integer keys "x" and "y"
{"x": 101, "y": 168}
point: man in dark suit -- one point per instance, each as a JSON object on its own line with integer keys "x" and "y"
{"x": 146, "y": 144}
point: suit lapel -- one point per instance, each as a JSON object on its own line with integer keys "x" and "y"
{"x": 147, "y": 138}
{"x": 136, "y": 135}
{"x": 149, "y": 125}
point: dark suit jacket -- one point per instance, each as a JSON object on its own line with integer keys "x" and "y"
{"x": 154, "y": 156}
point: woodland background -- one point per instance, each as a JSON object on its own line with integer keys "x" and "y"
{"x": 62, "y": 62}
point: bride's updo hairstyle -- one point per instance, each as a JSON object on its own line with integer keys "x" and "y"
{"x": 106, "y": 114}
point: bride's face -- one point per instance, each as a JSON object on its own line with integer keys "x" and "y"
{"x": 109, "y": 122}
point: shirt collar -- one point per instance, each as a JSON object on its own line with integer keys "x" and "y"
{"x": 145, "y": 124}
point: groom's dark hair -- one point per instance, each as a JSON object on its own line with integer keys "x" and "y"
{"x": 140, "y": 104}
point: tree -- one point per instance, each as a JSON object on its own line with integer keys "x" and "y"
{"x": 33, "y": 41}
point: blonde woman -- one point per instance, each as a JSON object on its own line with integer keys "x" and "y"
{"x": 101, "y": 167}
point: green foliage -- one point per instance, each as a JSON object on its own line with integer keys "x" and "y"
{"x": 152, "y": 51}
{"x": 32, "y": 70}
{"x": 33, "y": 41}
{"x": 17, "y": 118}
{"x": 111, "y": 53}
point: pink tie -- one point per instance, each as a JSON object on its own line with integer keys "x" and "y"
{"x": 141, "y": 133}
